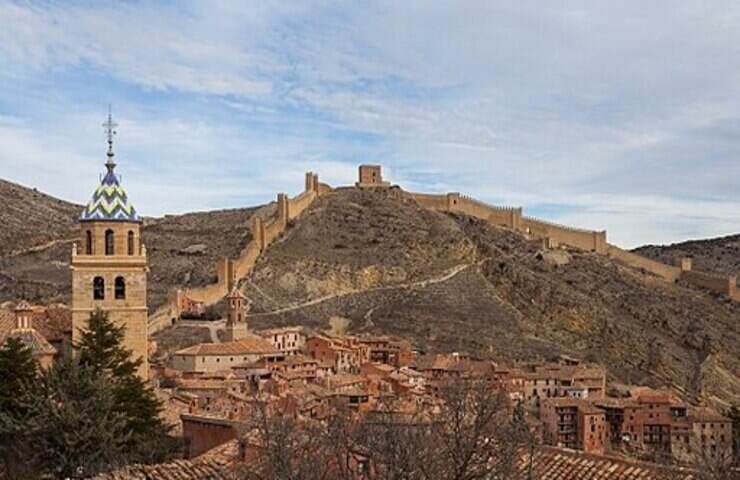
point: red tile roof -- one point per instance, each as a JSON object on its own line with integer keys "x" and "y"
{"x": 251, "y": 345}
{"x": 216, "y": 464}
{"x": 552, "y": 463}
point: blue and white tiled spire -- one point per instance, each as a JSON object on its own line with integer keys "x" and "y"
{"x": 110, "y": 201}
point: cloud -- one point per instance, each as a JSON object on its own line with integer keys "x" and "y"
{"x": 607, "y": 115}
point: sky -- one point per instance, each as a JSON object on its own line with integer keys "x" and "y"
{"x": 623, "y": 116}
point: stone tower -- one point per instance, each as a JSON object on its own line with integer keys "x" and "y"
{"x": 236, "y": 316}
{"x": 109, "y": 266}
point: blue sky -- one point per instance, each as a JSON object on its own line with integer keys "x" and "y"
{"x": 622, "y": 116}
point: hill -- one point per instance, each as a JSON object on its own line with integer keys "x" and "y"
{"x": 383, "y": 263}
{"x": 721, "y": 255}
{"x": 31, "y": 218}
{"x": 40, "y": 230}
{"x": 447, "y": 282}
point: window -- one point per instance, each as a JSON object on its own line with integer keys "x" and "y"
{"x": 130, "y": 242}
{"x": 98, "y": 288}
{"x": 88, "y": 243}
{"x": 120, "y": 288}
{"x": 109, "y": 244}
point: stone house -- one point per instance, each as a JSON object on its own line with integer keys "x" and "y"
{"x": 213, "y": 357}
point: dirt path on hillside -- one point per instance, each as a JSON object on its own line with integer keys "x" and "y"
{"x": 38, "y": 248}
{"x": 451, "y": 273}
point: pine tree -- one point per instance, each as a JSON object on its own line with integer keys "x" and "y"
{"x": 73, "y": 423}
{"x": 18, "y": 373}
{"x": 17, "y": 368}
{"x": 101, "y": 348}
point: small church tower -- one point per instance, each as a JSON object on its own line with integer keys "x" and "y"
{"x": 109, "y": 265}
{"x": 43, "y": 352}
{"x": 236, "y": 316}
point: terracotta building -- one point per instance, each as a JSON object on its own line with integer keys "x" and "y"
{"x": 345, "y": 354}
{"x": 556, "y": 380}
{"x": 109, "y": 264}
{"x": 573, "y": 423}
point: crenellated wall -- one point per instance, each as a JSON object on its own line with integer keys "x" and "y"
{"x": 589, "y": 240}
{"x": 716, "y": 283}
{"x": 432, "y": 202}
{"x": 511, "y": 217}
{"x": 633, "y": 260}
{"x": 230, "y": 271}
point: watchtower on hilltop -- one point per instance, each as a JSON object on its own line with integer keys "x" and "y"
{"x": 371, "y": 176}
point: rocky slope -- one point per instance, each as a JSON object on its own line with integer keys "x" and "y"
{"x": 720, "y": 255}
{"x": 454, "y": 282}
{"x": 37, "y": 241}
{"x": 31, "y": 218}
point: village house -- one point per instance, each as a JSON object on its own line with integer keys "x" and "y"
{"x": 288, "y": 340}
{"x": 383, "y": 349}
{"x": 213, "y": 357}
{"x": 345, "y": 354}
{"x": 189, "y": 308}
{"x": 573, "y": 423}
{"x": 557, "y": 380}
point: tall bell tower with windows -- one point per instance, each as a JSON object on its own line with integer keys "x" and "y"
{"x": 109, "y": 265}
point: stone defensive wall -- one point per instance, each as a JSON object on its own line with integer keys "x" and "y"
{"x": 230, "y": 271}
{"x": 639, "y": 262}
{"x": 267, "y": 230}
{"x": 718, "y": 284}
{"x": 511, "y": 217}
{"x": 587, "y": 240}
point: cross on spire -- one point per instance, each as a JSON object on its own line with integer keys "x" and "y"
{"x": 109, "y": 127}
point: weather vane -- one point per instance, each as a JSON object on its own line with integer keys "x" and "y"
{"x": 110, "y": 126}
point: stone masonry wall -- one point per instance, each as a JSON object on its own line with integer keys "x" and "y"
{"x": 633, "y": 260}
{"x": 588, "y": 240}
{"x": 723, "y": 285}
{"x": 511, "y": 217}
{"x": 231, "y": 271}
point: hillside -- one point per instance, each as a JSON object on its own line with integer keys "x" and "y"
{"x": 443, "y": 281}
{"x": 31, "y": 218}
{"x": 454, "y": 282}
{"x": 720, "y": 255}
{"x": 182, "y": 249}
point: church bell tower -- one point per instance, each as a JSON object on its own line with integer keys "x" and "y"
{"x": 109, "y": 265}
{"x": 237, "y": 307}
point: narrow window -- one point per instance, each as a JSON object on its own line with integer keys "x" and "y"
{"x": 120, "y": 288}
{"x": 88, "y": 243}
{"x": 98, "y": 288}
{"x": 130, "y": 242}
{"x": 109, "y": 246}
